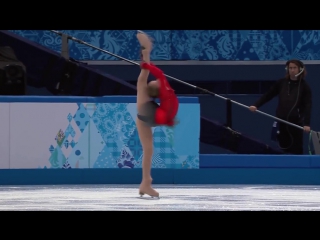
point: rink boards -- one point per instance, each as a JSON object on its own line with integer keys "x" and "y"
{"x": 80, "y": 140}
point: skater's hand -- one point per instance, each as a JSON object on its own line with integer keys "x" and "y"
{"x": 253, "y": 108}
{"x": 145, "y": 56}
{"x": 306, "y": 129}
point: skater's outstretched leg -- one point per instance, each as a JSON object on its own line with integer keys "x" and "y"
{"x": 145, "y": 130}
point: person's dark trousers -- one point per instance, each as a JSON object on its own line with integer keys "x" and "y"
{"x": 290, "y": 138}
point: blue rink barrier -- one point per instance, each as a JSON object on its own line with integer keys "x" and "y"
{"x": 56, "y": 132}
{"x": 259, "y": 161}
{"x": 31, "y": 123}
{"x": 75, "y": 99}
{"x": 214, "y": 169}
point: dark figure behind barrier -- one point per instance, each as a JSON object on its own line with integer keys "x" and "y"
{"x": 13, "y": 79}
{"x": 294, "y": 105}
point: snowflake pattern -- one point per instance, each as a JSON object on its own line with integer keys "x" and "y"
{"x": 210, "y": 45}
{"x": 117, "y": 144}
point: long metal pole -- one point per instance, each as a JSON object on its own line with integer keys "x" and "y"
{"x": 176, "y": 79}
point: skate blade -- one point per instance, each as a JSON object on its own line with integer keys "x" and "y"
{"x": 148, "y": 197}
{"x": 142, "y": 32}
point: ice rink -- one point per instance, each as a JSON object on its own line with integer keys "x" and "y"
{"x": 172, "y": 198}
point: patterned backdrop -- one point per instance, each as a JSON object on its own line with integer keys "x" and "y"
{"x": 92, "y": 133}
{"x": 222, "y": 45}
{"x": 104, "y": 135}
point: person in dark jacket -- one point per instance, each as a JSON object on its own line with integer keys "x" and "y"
{"x": 294, "y": 106}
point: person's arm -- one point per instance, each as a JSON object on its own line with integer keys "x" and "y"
{"x": 155, "y": 71}
{"x": 273, "y": 91}
{"x": 158, "y": 73}
{"x": 307, "y": 105}
{"x": 160, "y": 118}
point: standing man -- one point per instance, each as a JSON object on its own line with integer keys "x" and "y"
{"x": 294, "y": 106}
